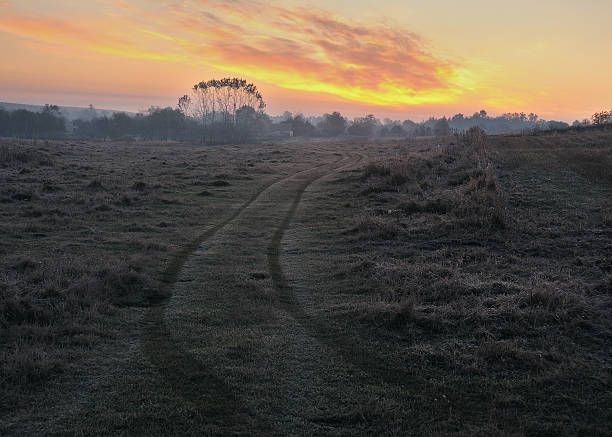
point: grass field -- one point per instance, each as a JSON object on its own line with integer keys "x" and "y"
{"x": 87, "y": 230}
{"x": 413, "y": 287}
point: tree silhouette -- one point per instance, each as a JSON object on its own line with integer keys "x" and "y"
{"x": 441, "y": 128}
{"x": 602, "y": 117}
{"x": 333, "y": 125}
{"x": 302, "y": 127}
{"x": 363, "y": 126}
{"x": 22, "y": 123}
{"x": 216, "y": 104}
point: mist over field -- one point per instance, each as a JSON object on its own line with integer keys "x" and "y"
{"x": 197, "y": 121}
{"x": 270, "y": 218}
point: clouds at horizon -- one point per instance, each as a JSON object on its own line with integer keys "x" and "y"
{"x": 309, "y": 50}
{"x": 430, "y": 58}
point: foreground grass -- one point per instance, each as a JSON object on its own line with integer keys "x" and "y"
{"x": 87, "y": 230}
{"x": 475, "y": 277}
{"x": 455, "y": 288}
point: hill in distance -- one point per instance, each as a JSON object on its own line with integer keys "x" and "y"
{"x": 70, "y": 113}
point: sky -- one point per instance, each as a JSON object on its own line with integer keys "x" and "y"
{"x": 393, "y": 58}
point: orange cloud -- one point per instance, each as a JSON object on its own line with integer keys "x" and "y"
{"x": 298, "y": 49}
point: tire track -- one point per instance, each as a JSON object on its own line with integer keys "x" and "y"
{"x": 287, "y": 295}
{"x": 184, "y": 373}
{"x": 352, "y": 352}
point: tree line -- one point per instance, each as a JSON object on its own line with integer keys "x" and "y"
{"x": 231, "y": 110}
{"x": 157, "y": 124}
{"x": 335, "y": 124}
{"x": 27, "y": 124}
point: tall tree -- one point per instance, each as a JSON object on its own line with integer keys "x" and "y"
{"x": 363, "y": 126}
{"x": 302, "y": 127}
{"x": 333, "y": 124}
{"x": 216, "y": 103}
{"x": 441, "y": 128}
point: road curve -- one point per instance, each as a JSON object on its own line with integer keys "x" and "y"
{"x": 187, "y": 375}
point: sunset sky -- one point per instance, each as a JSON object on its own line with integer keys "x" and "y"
{"x": 394, "y": 58}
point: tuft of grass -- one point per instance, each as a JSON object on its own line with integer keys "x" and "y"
{"x": 28, "y": 366}
{"x": 13, "y": 154}
{"x": 96, "y": 185}
{"x": 373, "y": 227}
{"x": 389, "y": 315}
{"x": 377, "y": 170}
{"x": 458, "y": 181}
{"x": 139, "y": 186}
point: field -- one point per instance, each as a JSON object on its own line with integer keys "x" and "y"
{"x": 398, "y": 287}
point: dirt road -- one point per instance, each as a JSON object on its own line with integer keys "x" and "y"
{"x": 231, "y": 340}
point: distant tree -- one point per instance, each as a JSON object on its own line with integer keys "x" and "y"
{"x": 246, "y": 122}
{"x": 165, "y": 123}
{"x": 302, "y": 127}
{"x": 422, "y": 130}
{"x": 409, "y": 126}
{"x": 481, "y": 114}
{"x": 442, "y": 128}
{"x": 155, "y": 124}
{"x": 602, "y": 117}
{"x": 216, "y": 103}
{"x": 120, "y": 125}
{"x": 88, "y": 113}
{"x": 333, "y": 125}
{"x": 556, "y": 125}
{"x": 390, "y": 123}
{"x": 397, "y": 131}
{"x": 363, "y": 126}
{"x": 5, "y": 123}
{"x": 51, "y": 109}
{"x": 45, "y": 124}
{"x": 250, "y": 123}
{"x": 50, "y": 122}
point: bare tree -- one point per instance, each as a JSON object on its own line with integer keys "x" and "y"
{"x": 217, "y": 102}
{"x": 602, "y": 117}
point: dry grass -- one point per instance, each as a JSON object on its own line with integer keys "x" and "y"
{"x": 29, "y": 155}
{"x": 376, "y": 227}
{"x": 480, "y": 273}
{"x": 87, "y": 229}
{"x": 458, "y": 183}
{"x": 441, "y": 290}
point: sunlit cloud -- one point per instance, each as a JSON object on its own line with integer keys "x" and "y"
{"x": 308, "y": 50}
